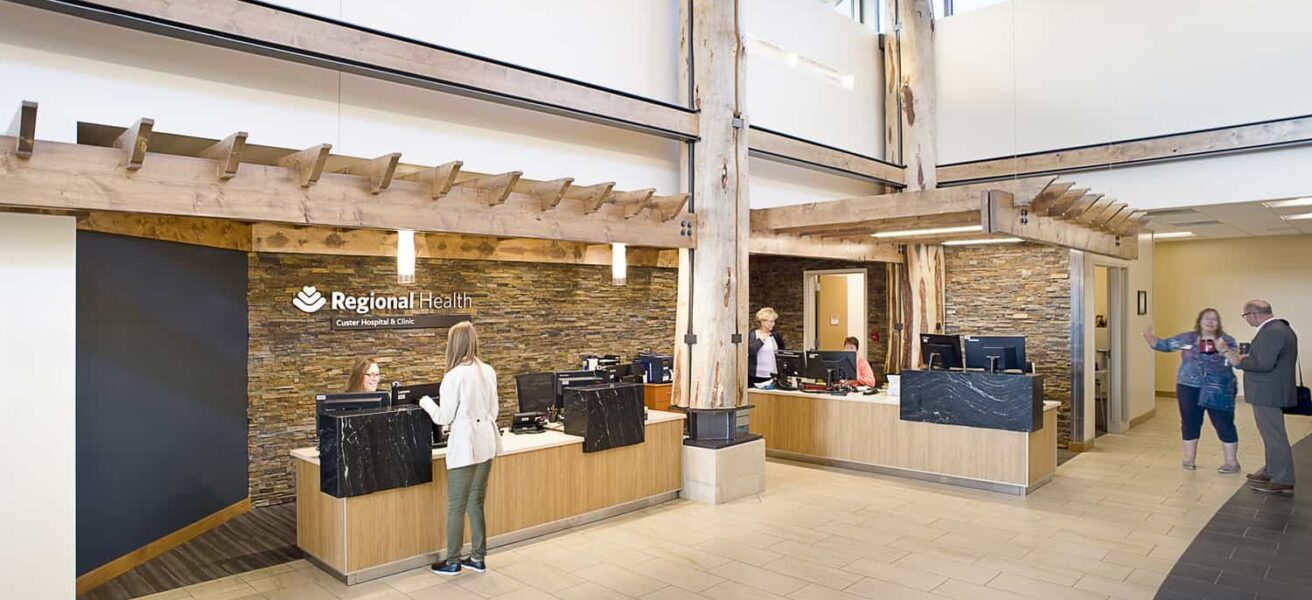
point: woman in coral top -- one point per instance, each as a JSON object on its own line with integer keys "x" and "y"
{"x": 864, "y": 374}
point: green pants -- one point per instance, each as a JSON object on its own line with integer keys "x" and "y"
{"x": 465, "y": 489}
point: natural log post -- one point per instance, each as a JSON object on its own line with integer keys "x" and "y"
{"x": 718, "y": 358}
{"x": 892, "y": 85}
{"x": 679, "y": 354}
{"x": 914, "y": 29}
{"x": 925, "y": 312}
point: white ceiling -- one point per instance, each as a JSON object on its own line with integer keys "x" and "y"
{"x": 1239, "y": 219}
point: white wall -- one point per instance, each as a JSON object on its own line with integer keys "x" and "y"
{"x": 79, "y": 70}
{"x": 1080, "y": 72}
{"x": 793, "y": 100}
{"x": 778, "y": 184}
{"x": 37, "y": 340}
{"x": 627, "y": 45}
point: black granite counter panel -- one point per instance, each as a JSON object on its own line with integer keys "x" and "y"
{"x": 975, "y": 399}
{"x": 366, "y": 451}
{"x": 607, "y": 416}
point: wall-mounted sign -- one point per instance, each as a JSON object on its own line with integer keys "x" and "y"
{"x": 398, "y": 322}
{"x": 310, "y": 300}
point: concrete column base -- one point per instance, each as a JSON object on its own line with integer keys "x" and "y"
{"x": 725, "y": 474}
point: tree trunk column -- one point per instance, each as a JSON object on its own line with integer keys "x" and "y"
{"x": 719, "y": 263}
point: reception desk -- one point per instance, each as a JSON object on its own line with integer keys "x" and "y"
{"x": 868, "y": 433}
{"x": 539, "y": 484}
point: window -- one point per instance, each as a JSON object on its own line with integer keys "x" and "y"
{"x": 861, "y": 11}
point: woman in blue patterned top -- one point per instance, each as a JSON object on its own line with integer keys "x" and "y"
{"x": 1206, "y": 382}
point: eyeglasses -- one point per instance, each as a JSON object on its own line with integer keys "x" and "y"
{"x": 373, "y": 374}
{"x": 1247, "y": 313}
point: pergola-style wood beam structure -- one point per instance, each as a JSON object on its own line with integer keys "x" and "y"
{"x": 170, "y": 174}
{"x": 785, "y": 148}
{"x": 1039, "y": 209}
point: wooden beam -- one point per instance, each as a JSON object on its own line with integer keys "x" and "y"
{"x": 361, "y": 51}
{"x": 293, "y": 239}
{"x": 134, "y": 142}
{"x": 228, "y": 154}
{"x": 1004, "y": 217}
{"x": 1079, "y": 207}
{"x": 23, "y": 129}
{"x": 1114, "y": 209}
{"x": 492, "y": 190}
{"x": 1043, "y": 203}
{"x": 549, "y": 193}
{"x": 956, "y": 219}
{"x": 630, "y": 203}
{"x": 858, "y": 250}
{"x": 1121, "y": 217}
{"x": 1237, "y": 138}
{"x": 1096, "y": 208}
{"x": 81, "y": 177}
{"x": 777, "y": 146}
{"x": 665, "y": 208}
{"x": 1064, "y": 202}
{"x": 307, "y": 164}
{"x": 214, "y": 233}
{"x": 818, "y": 217}
{"x": 439, "y": 178}
{"x": 590, "y": 197}
{"x": 1132, "y": 224}
{"x": 380, "y": 171}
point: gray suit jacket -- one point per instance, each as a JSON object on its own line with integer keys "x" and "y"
{"x": 1270, "y": 365}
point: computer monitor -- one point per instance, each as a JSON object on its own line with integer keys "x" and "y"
{"x": 326, "y": 404}
{"x": 815, "y": 366}
{"x": 568, "y": 379}
{"x": 411, "y": 393}
{"x": 536, "y": 391}
{"x": 789, "y": 363}
{"x": 842, "y": 361}
{"x": 995, "y": 352}
{"x": 945, "y": 350}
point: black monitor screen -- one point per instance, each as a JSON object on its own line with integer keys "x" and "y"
{"x": 815, "y": 366}
{"x": 536, "y": 391}
{"x": 789, "y": 363}
{"x": 1009, "y": 352}
{"x": 410, "y": 394}
{"x": 945, "y": 350}
{"x": 841, "y": 361}
{"x": 325, "y": 404}
{"x": 566, "y": 379}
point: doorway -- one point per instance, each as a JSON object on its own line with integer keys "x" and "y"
{"x": 835, "y": 308}
{"x": 1110, "y": 301}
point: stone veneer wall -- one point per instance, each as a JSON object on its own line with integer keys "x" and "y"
{"x": 777, "y": 282}
{"x": 1017, "y": 289}
{"x": 530, "y": 317}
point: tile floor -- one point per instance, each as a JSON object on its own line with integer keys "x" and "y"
{"x": 1111, "y": 525}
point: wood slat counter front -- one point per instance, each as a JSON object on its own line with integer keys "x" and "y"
{"x": 540, "y": 483}
{"x": 867, "y": 433}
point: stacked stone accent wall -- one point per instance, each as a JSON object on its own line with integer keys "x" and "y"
{"x": 530, "y": 317}
{"x": 777, "y": 282}
{"x": 1017, "y": 289}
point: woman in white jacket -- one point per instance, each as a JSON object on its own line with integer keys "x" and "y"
{"x": 469, "y": 407}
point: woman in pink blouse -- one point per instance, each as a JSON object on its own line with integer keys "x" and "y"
{"x": 864, "y": 374}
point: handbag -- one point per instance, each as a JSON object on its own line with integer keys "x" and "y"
{"x": 1304, "y": 405}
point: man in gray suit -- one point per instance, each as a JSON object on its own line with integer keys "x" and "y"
{"x": 1269, "y": 386}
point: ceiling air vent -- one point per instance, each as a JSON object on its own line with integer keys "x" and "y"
{"x": 1198, "y": 223}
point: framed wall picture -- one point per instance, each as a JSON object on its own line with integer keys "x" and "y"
{"x": 1143, "y": 302}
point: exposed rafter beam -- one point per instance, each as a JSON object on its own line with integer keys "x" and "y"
{"x": 308, "y": 163}
{"x": 379, "y": 171}
{"x": 1096, "y": 208}
{"x": 228, "y": 154}
{"x": 1044, "y": 202}
{"x": 1002, "y": 216}
{"x": 665, "y": 208}
{"x": 785, "y": 148}
{"x": 590, "y": 197}
{"x": 439, "y": 178}
{"x": 550, "y": 193}
{"x": 492, "y": 190}
{"x": 1238, "y": 138}
{"x": 134, "y": 142}
{"x": 1080, "y": 206}
{"x": 23, "y": 129}
{"x": 630, "y": 203}
{"x": 1064, "y": 202}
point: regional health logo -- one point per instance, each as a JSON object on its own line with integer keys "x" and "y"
{"x": 309, "y": 300}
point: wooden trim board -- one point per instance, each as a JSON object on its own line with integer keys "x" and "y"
{"x": 97, "y": 577}
{"x": 1075, "y": 446}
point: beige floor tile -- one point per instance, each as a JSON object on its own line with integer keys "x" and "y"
{"x": 1032, "y": 570}
{"x": 223, "y": 583}
{"x": 813, "y": 572}
{"x": 1150, "y": 563}
{"x": 814, "y": 553}
{"x": 694, "y": 557}
{"x": 878, "y": 589}
{"x": 732, "y": 590}
{"x": 300, "y": 592}
{"x": 961, "y": 590}
{"x": 1148, "y": 578}
{"x": 174, "y": 594}
{"x": 542, "y": 576}
{"x": 819, "y": 592}
{"x": 488, "y": 584}
{"x": 1117, "y": 589}
{"x": 757, "y": 577}
{"x": 677, "y": 574}
{"x": 1042, "y": 590}
{"x": 948, "y": 568}
{"x": 752, "y": 555}
{"x": 621, "y": 580}
{"x": 288, "y": 580}
{"x": 526, "y": 594}
{"x": 674, "y": 593}
{"x": 231, "y": 592}
{"x": 897, "y": 574}
{"x": 445, "y": 592}
{"x": 415, "y": 580}
{"x": 250, "y": 576}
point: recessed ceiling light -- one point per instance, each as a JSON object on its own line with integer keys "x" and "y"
{"x": 1172, "y": 235}
{"x": 1297, "y": 217}
{"x": 983, "y": 241}
{"x": 1296, "y": 202}
{"x": 933, "y": 231}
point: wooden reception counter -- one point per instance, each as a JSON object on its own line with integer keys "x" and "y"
{"x": 867, "y": 433}
{"x": 540, "y": 483}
